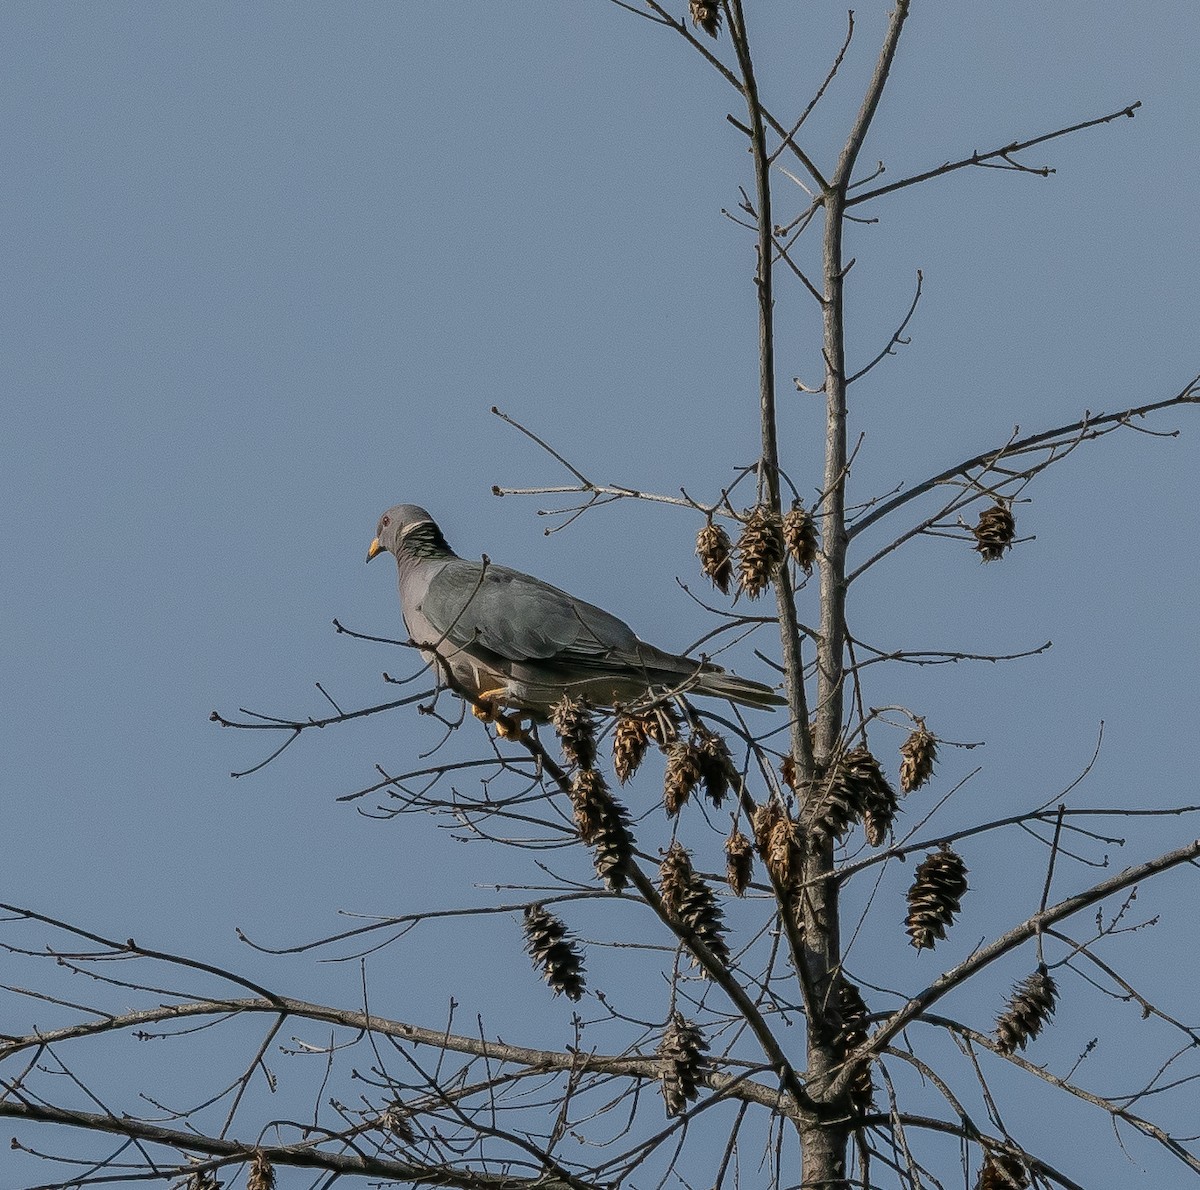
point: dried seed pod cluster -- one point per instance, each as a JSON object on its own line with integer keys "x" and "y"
{"x": 612, "y": 848}
{"x": 662, "y": 723}
{"x": 800, "y": 536}
{"x": 935, "y": 896}
{"x": 855, "y": 790}
{"x": 739, "y": 862}
{"x": 681, "y": 1051}
{"x": 602, "y": 822}
{"x": 553, "y": 951}
{"x": 590, "y": 800}
{"x": 784, "y": 851}
{"x": 397, "y": 1119}
{"x": 716, "y": 764}
{"x": 576, "y": 727}
{"x": 687, "y": 898}
{"x": 716, "y": 556}
{"x": 1002, "y": 1171}
{"x": 918, "y": 755}
{"x": 1029, "y": 1008}
{"x": 760, "y": 551}
{"x": 630, "y": 741}
{"x": 995, "y": 531}
{"x": 879, "y": 801}
{"x": 683, "y": 774}
{"x": 262, "y": 1173}
{"x": 852, "y": 1009}
{"x": 203, "y": 1180}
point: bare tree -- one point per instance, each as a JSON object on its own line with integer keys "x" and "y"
{"x": 735, "y": 1033}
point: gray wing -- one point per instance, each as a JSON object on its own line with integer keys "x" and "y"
{"x": 522, "y": 618}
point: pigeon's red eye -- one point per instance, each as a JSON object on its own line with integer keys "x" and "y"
{"x": 387, "y": 520}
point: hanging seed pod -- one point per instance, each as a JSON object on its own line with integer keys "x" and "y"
{"x": 716, "y": 764}
{"x": 1029, "y": 1008}
{"x": 673, "y": 875}
{"x": 716, "y": 556}
{"x": 203, "y": 1180}
{"x": 553, "y": 952}
{"x": 706, "y": 15}
{"x": 612, "y": 848}
{"x": 397, "y": 1119}
{"x": 701, "y": 912}
{"x": 800, "y": 536}
{"x": 630, "y": 741}
{"x": 852, "y": 1008}
{"x": 995, "y": 532}
{"x": 787, "y": 771}
{"x": 784, "y": 851}
{"x": 935, "y": 896}
{"x": 760, "y": 551}
{"x": 589, "y": 800}
{"x": 765, "y": 817}
{"x": 262, "y": 1173}
{"x": 840, "y": 801}
{"x": 683, "y": 774}
{"x": 918, "y": 755}
{"x": 576, "y": 727}
{"x": 879, "y": 799}
{"x": 689, "y": 900}
{"x": 739, "y": 862}
{"x": 1002, "y": 1171}
{"x": 662, "y": 724}
{"x": 681, "y": 1051}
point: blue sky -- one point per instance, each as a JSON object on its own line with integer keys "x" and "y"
{"x": 268, "y": 267}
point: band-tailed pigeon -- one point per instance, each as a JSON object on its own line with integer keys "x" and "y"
{"x": 510, "y": 640}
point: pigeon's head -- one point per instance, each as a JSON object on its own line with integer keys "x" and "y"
{"x": 396, "y": 524}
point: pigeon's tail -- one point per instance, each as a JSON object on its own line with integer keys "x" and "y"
{"x": 718, "y": 684}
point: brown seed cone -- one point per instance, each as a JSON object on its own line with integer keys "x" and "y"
{"x": 397, "y": 1119}
{"x": 739, "y": 862}
{"x": 995, "y": 532}
{"x": 590, "y": 800}
{"x": 576, "y": 728}
{"x": 935, "y": 896}
{"x": 918, "y": 755}
{"x": 706, "y": 15}
{"x": 553, "y": 952}
{"x": 1029, "y": 1008}
{"x": 760, "y": 551}
{"x": 878, "y": 798}
{"x": 682, "y": 1051}
{"x": 662, "y": 724}
{"x": 262, "y": 1173}
{"x": 630, "y": 741}
{"x": 674, "y": 873}
{"x": 784, "y": 851}
{"x": 683, "y": 774}
{"x": 687, "y": 898}
{"x": 800, "y": 537}
{"x": 852, "y": 1008}
{"x": 716, "y": 556}
{"x": 1002, "y": 1171}
{"x": 612, "y": 849}
{"x": 765, "y": 817}
{"x": 787, "y": 771}
{"x": 702, "y": 913}
{"x": 716, "y": 764}
{"x": 203, "y": 1180}
{"x": 840, "y": 802}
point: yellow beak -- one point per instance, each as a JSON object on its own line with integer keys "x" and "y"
{"x": 375, "y": 549}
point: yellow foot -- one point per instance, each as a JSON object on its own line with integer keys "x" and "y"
{"x": 487, "y": 707}
{"x": 510, "y": 727}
